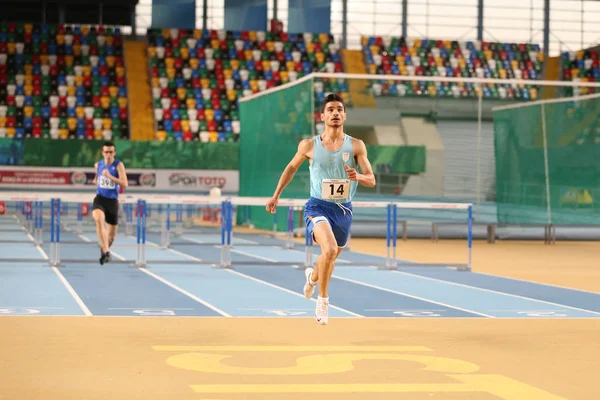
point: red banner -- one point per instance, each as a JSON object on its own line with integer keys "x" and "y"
{"x": 34, "y": 178}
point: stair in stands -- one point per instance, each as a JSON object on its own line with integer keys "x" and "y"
{"x": 359, "y": 89}
{"x": 138, "y": 79}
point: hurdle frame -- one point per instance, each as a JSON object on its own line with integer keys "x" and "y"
{"x": 227, "y": 203}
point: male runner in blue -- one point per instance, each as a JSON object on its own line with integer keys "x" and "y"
{"x": 333, "y": 157}
{"x": 110, "y": 177}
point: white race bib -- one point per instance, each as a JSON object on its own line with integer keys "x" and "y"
{"x": 335, "y": 189}
{"x": 105, "y": 183}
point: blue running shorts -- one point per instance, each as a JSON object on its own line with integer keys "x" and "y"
{"x": 337, "y": 215}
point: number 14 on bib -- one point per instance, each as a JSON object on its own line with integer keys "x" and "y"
{"x": 335, "y": 189}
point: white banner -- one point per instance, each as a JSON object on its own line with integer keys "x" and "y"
{"x": 140, "y": 180}
{"x": 199, "y": 180}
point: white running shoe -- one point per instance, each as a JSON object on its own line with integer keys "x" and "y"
{"x": 322, "y": 312}
{"x": 309, "y": 286}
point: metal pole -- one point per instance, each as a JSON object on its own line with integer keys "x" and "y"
{"x": 480, "y": 20}
{"x": 479, "y": 113}
{"x": 546, "y": 33}
{"x": 204, "y": 14}
{"x": 404, "y": 18}
{"x": 345, "y": 24}
{"x": 546, "y": 170}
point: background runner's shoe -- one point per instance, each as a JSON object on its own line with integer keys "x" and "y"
{"x": 105, "y": 258}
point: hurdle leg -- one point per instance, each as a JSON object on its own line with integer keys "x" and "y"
{"x": 230, "y": 224}
{"x": 290, "y": 233}
{"x": 40, "y": 227}
{"x": 469, "y": 235}
{"x": 168, "y": 232}
{"x": 308, "y": 242}
{"x": 394, "y": 234}
{"x": 52, "y": 205}
{"x": 179, "y": 220}
{"x": 388, "y": 236}
{"x": 223, "y": 235}
{"x": 57, "y": 254}
{"x": 144, "y": 215}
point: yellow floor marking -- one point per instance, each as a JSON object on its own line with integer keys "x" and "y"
{"x": 314, "y": 364}
{"x": 500, "y": 386}
{"x": 293, "y": 348}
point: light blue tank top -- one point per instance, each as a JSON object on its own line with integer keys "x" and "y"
{"x": 330, "y": 165}
{"x": 106, "y": 187}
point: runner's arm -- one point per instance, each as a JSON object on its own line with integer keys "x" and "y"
{"x": 290, "y": 170}
{"x": 367, "y": 177}
{"x": 122, "y": 179}
{"x": 95, "y": 173}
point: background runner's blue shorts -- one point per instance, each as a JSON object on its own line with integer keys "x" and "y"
{"x": 339, "y": 216}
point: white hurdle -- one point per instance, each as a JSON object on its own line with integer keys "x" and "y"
{"x": 226, "y": 204}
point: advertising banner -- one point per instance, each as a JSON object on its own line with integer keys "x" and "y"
{"x": 173, "y": 181}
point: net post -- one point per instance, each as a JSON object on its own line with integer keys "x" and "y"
{"x": 479, "y": 116}
{"x": 546, "y": 169}
{"x": 470, "y": 234}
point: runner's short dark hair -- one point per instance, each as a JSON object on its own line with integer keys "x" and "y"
{"x": 332, "y": 97}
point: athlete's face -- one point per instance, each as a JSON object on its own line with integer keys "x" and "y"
{"x": 334, "y": 114}
{"x": 109, "y": 154}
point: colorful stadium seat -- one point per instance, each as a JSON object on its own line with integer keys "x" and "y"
{"x": 62, "y": 82}
{"x": 199, "y": 75}
{"x": 582, "y": 66}
{"x": 474, "y": 59}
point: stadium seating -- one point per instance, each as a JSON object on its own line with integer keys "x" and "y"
{"x": 582, "y": 66}
{"x": 199, "y": 75}
{"x": 444, "y": 58}
{"x": 61, "y": 81}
